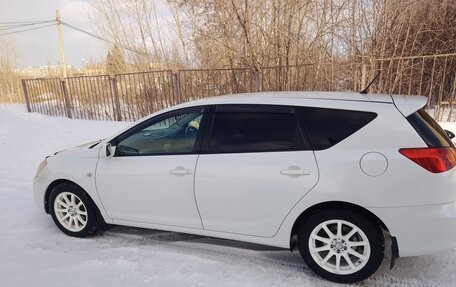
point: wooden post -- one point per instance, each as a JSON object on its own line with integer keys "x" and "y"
{"x": 26, "y": 96}
{"x": 66, "y": 99}
{"x": 62, "y": 50}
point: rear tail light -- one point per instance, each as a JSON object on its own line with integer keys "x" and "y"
{"x": 433, "y": 159}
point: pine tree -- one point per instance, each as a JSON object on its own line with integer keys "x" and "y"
{"x": 115, "y": 62}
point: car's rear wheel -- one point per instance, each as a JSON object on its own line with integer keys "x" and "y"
{"x": 72, "y": 210}
{"x": 341, "y": 245}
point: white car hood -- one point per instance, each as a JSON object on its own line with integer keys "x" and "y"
{"x": 80, "y": 147}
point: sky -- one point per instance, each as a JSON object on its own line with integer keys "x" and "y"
{"x": 40, "y": 47}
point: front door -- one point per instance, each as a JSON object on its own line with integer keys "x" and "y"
{"x": 150, "y": 178}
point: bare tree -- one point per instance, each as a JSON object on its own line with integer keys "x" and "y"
{"x": 338, "y": 39}
{"x": 143, "y": 30}
{"x": 9, "y": 79}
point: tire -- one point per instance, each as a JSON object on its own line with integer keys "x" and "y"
{"x": 72, "y": 210}
{"x": 361, "y": 242}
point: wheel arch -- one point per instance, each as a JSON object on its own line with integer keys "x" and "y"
{"x": 328, "y": 205}
{"x": 57, "y": 182}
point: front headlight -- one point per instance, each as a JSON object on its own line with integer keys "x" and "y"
{"x": 41, "y": 167}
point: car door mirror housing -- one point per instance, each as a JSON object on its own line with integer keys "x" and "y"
{"x": 450, "y": 134}
{"x": 109, "y": 150}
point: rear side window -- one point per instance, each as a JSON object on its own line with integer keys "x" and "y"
{"x": 236, "y": 132}
{"x": 327, "y": 127}
{"x": 429, "y": 130}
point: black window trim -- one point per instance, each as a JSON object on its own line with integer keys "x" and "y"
{"x": 199, "y": 139}
{"x": 253, "y": 108}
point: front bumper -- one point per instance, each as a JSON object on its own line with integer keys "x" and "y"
{"x": 421, "y": 230}
{"x": 39, "y": 191}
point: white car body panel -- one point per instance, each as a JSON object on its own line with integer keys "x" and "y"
{"x": 414, "y": 204}
{"x": 77, "y": 165}
{"x": 407, "y": 105}
{"x": 141, "y": 188}
{"x": 421, "y": 229}
{"x": 236, "y": 196}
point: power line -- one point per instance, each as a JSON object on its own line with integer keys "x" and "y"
{"x": 101, "y": 38}
{"x": 17, "y": 26}
{"x": 23, "y": 22}
{"x": 25, "y": 30}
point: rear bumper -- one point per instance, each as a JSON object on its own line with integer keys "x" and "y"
{"x": 421, "y": 229}
{"x": 39, "y": 190}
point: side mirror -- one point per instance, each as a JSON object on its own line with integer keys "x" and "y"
{"x": 109, "y": 150}
{"x": 450, "y": 134}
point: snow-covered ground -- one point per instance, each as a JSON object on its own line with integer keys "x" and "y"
{"x": 33, "y": 252}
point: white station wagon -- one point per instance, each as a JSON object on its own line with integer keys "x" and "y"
{"x": 327, "y": 173}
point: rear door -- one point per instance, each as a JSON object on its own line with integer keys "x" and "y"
{"x": 256, "y": 164}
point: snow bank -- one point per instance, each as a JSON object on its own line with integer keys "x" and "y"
{"x": 33, "y": 252}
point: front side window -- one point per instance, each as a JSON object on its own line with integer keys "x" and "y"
{"x": 175, "y": 134}
{"x": 235, "y": 132}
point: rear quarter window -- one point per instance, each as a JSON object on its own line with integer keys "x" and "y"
{"x": 327, "y": 127}
{"x": 429, "y": 130}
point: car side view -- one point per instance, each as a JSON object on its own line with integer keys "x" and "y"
{"x": 330, "y": 174}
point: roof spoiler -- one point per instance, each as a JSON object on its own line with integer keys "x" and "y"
{"x": 407, "y": 105}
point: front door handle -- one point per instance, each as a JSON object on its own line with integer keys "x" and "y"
{"x": 180, "y": 171}
{"x": 295, "y": 171}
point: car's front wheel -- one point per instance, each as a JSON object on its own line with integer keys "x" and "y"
{"x": 341, "y": 245}
{"x": 72, "y": 210}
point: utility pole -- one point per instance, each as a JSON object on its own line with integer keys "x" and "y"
{"x": 63, "y": 67}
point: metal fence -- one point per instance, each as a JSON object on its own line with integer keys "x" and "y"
{"x": 45, "y": 96}
{"x": 312, "y": 77}
{"x": 134, "y": 95}
{"x": 140, "y": 94}
{"x": 197, "y": 84}
{"x": 123, "y": 97}
{"x": 90, "y": 97}
{"x": 432, "y": 76}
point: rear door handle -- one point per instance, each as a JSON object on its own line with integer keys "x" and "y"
{"x": 180, "y": 171}
{"x": 295, "y": 171}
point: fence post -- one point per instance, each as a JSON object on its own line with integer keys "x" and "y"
{"x": 26, "y": 96}
{"x": 257, "y": 80}
{"x": 115, "y": 96}
{"x": 363, "y": 76}
{"x": 175, "y": 80}
{"x": 66, "y": 100}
